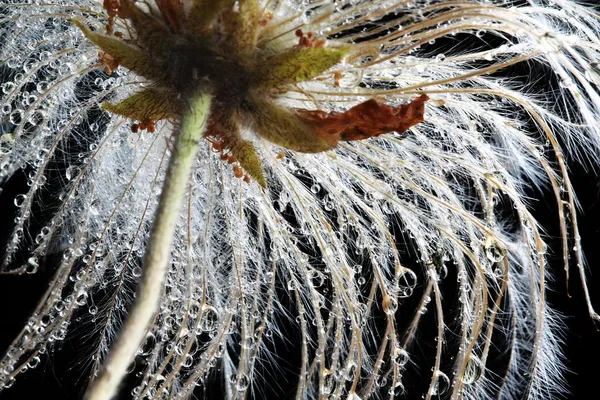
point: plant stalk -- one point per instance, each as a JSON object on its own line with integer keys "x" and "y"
{"x": 158, "y": 252}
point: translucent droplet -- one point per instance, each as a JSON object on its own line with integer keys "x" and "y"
{"x": 71, "y": 172}
{"x": 243, "y": 382}
{"x": 291, "y": 286}
{"x": 20, "y": 199}
{"x": 365, "y": 58}
{"x": 390, "y": 305}
{"x": 441, "y": 383}
{"x": 397, "y": 390}
{"x": 407, "y": 281}
{"x": 350, "y": 78}
{"x": 494, "y": 250}
{"x": 381, "y": 381}
{"x": 401, "y": 356}
{"x": 210, "y": 317}
{"x": 248, "y": 343}
{"x": 188, "y": 361}
{"x": 34, "y": 362}
{"x": 32, "y": 265}
{"x": 318, "y": 279}
{"x": 473, "y": 370}
{"x": 8, "y": 87}
{"x": 81, "y": 299}
{"x": 16, "y": 117}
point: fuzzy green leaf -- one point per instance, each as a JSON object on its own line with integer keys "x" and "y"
{"x": 128, "y": 56}
{"x": 298, "y": 64}
{"x": 246, "y": 155}
{"x": 148, "y": 105}
{"x": 283, "y": 127}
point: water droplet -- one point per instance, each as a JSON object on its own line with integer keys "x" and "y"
{"x": 34, "y": 362}
{"x": 441, "y": 383}
{"x": 350, "y": 78}
{"x": 397, "y": 390}
{"x": 401, "y": 356}
{"x": 390, "y": 305}
{"x": 473, "y": 370}
{"x": 8, "y": 87}
{"x": 291, "y": 286}
{"x": 20, "y": 199}
{"x": 72, "y": 171}
{"x": 16, "y": 117}
{"x": 210, "y": 317}
{"x": 407, "y": 281}
{"x": 243, "y": 382}
{"x": 81, "y": 299}
{"x": 494, "y": 250}
{"x": 32, "y": 265}
{"x": 318, "y": 279}
{"x": 248, "y": 343}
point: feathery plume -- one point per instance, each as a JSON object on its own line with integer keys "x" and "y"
{"x": 350, "y": 156}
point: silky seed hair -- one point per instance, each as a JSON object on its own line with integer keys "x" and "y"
{"x": 332, "y": 245}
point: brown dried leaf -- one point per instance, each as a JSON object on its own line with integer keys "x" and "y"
{"x": 365, "y": 120}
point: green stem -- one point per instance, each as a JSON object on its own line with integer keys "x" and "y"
{"x": 158, "y": 253}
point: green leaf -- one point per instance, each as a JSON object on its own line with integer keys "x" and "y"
{"x": 246, "y": 155}
{"x": 282, "y": 126}
{"x": 297, "y": 64}
{"x": 148, "y": 105}
{"x": 128, "y": 56}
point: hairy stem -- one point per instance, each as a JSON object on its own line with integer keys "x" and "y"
{"x": 158, "y": 252}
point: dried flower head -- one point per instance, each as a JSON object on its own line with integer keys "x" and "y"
{"x": 348, "y": 160}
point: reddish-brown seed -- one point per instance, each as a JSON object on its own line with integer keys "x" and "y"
{"x": 237, "y": 171}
